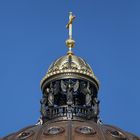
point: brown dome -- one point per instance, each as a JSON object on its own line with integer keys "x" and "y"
{"x": 71, "y": 130}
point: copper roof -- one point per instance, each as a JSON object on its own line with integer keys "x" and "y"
{"x": 71, "y": 130}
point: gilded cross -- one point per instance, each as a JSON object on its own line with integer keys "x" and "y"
{"x": 69, "y": 25}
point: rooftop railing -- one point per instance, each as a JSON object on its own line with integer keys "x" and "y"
{"x": 70, "y": 112}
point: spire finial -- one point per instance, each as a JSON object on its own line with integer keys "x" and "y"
{"x": 70, "y": 42}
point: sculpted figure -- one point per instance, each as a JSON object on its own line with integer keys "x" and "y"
{"x": 88, "y": 95}
{"x": 53, "y": 90}
{"x": 50, "y": 95}
{"x": 85, "y": 89}
{"x": 43, "y": 102}
{"x": 96, "y": 106}
{"x": 69, "y": 88}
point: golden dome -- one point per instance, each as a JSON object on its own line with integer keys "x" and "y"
{"x": 70, "y": 66}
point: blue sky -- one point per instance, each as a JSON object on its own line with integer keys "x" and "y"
{"x": 33, "y": 34}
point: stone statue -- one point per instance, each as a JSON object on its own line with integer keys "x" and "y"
{"x": 69, "y": 88}
{"x": 96, "y": 106}
{"x": 85, "y": 89}
{"x": 50, "y": 95}
{"x": 53, "y": 90}
{"x": 43, "y": 102}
